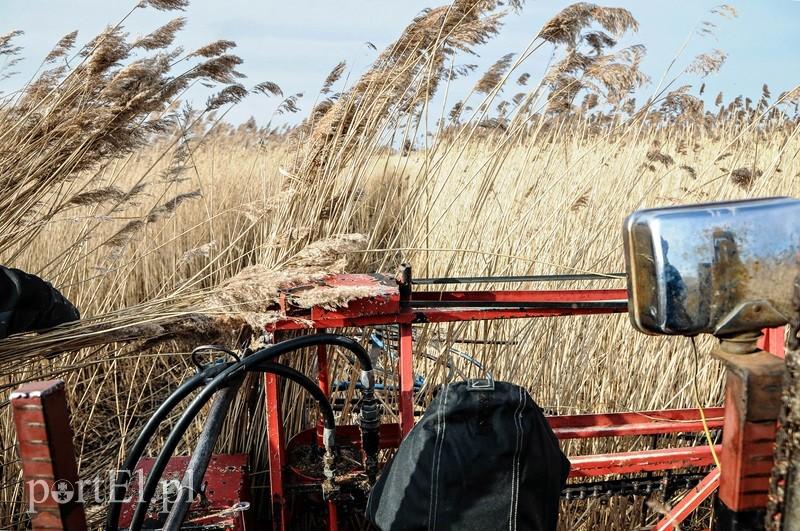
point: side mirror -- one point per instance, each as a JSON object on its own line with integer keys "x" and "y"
{"x": 718, "y": 268}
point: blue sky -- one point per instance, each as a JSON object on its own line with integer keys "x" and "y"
{"x": 295, "y": 44}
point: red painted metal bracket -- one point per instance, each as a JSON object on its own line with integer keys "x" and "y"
{"x": 50, "y": 473}
{"x": 752, "y": 403}
{"x": 406, "y": 372}
{"x": 224, "y": 503}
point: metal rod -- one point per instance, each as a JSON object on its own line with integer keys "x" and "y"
{"x": 518, "y": 278}
{"x": 480, "y": 342}
{"x": 406, "y": 374}
{"x": 276, "y": 451}
{"x": 610, "y": 305}
{"x": 689, "y": 503}
{"x": 641, "y": 461}
{"x": 195, "y": 471}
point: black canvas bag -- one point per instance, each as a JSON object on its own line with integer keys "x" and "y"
{"x": 482, "y": 457}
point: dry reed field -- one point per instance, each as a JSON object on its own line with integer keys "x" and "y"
{"x": 169, "y": 228}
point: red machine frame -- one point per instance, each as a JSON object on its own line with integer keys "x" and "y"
{"x": 407, "y": 307}
{"x": 748, "y": 429}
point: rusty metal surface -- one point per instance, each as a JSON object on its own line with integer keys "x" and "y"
{"x": 783, "y": 509}
{"x": 221, "y": 506}
{"x": 44, "y": 436}
{"x": 758, "y": 384}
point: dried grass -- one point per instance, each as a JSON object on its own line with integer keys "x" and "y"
{"x": 101, "y": 172}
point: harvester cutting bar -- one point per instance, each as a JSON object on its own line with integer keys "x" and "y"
{"x": 668, "y": 483}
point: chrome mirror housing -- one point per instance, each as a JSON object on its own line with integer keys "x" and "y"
{"x": 718, "y": 268}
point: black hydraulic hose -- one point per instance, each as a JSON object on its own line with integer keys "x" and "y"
{"x": 369, "y": 420}
{"x": 201, "y": 456}
{"x": 232, "y": 372}
{"x": 319, "y": 339}
{"x": 328, "y": 420}
{"x": 191, "y": 484}
{"x": 140, "y": 444}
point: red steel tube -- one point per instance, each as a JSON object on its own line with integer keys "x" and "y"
{"x": 578, "y": 295}
{"x": 277, "y": 451}
{"x": 406, "y": 372}
{"x": 635, "y": 423}
{"x": 643, "y": 461}
{"x": 690, "y": 502}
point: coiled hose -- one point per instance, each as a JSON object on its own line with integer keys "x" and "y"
{"x": 256, "y": 362}
{"x": 140, "y": 444}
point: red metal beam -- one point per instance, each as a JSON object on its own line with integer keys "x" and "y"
{"x": 643, "y": 461}
{"x": 431, "y": 315}
{"x": 690, "y": 502}
{"x": 394, "y": 309}
{"x": 752, "y": 403}
{"x": 582, "y": 466}
{"x": 277, "y": 451}
{"x": 570, "y": 295}
{"x": 634, "y": 423}
{"x": 406, "y": 372}
{"x": 451, "y": 315}
{"x": 49, "y": 470}
{"x": 627, "y": 424}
